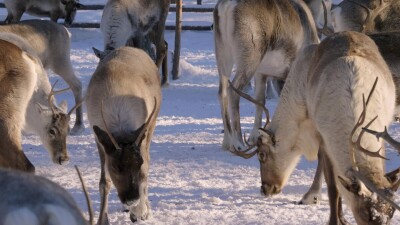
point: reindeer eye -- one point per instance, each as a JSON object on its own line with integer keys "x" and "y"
{"x": 262, "y": 157}
{"x": 52, "y": 132}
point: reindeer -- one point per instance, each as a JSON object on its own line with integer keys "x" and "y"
{"x": 41, "y": 114}
{"x": 136, "y": 23}
{"x": 262, "y": 38}
{"x": 338, "y": 72}
{"x": 366, "y": 15}
{"x": 55, "y": 9}
{"x": 123, "y": 101}
{"x": 30, "y": 200}
{"x": 51, "y": 42}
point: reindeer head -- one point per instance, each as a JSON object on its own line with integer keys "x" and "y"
{"x": 70, "y": 9}
{"x": 274, "y": 167}
{"x": 124, "y": 162}
{"x": 56, "y": 127}
{"x": 124, "y": 159}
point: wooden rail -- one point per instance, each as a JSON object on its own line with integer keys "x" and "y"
{"x": 168, "y": 27}
{"x": 171, "y": 9}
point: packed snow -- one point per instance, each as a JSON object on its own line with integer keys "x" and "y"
{"x": 192, "y": 180}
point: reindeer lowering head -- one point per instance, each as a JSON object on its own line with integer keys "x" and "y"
{"x": 53, "y": 126}
{"x": 124, "y": 159}
{"x": 272, "y": 177}
{"x": 70, "y": 11}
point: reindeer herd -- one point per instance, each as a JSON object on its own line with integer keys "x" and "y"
{"x": 355, "y": 67}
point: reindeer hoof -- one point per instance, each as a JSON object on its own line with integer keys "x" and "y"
{"x": 77, "y": 129}
{"x": 310, "y": 200}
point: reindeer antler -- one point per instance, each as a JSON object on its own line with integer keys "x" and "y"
{"x": 360, "y": 121}
{"x": 107, "y": 131}
{"x": 143, "y": 131}
{"x": 325, "y": 30}
{"x": 248, "y": 97}
{"x": 385, "y": 136}
{"x": 368, "y": 13}
{"x": 52, "y": 93}
{"x": 88, "y": 201}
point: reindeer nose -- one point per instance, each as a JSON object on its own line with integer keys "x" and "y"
{"x": 268, "y": 190}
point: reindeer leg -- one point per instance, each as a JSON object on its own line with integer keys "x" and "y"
{"x": 260, "y": 81}
{"x": 333, "y": 192}
{"x": 242, "y": 78}
{"x": 104, "y": 189}
{"x": 64, "y": 69}
{"x": 313, "y": 195}
{"x": 224, "y": 65}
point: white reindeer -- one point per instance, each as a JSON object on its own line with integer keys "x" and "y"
{"x": 55, "y": 9}
{"x": 123, "y": 101}
{"x": 136, "y": 23}
{"x": 52, "y": 42}
{"x": 41, "y": 115}
{"x": 33, "y": 200}
{"x": 319, "y": 109}
{"x": 262, "y": 38}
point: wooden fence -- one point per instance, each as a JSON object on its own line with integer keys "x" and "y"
{"x": 168, "y": 27}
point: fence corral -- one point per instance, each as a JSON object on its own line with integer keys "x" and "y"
{"x": 185, "y": 9}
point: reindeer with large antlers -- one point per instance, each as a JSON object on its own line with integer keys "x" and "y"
{"x": 123, "y": 101}
{"x": 338, "y": 72}
{"x": 41, "y": 115}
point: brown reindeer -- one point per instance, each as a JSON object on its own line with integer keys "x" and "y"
{"x": 123, "y": 101}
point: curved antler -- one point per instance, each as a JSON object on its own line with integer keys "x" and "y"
{"x": 52, "y": 93}
{"x": 385, "y": 136}
{"x": 360, "y": 121}
{"x": 107, "y": 131}
{"x": 325, "y": 30}
{"x": 143, "y": 131}
{"x": 368, "y": 13}
{"x": 248, "y": 97}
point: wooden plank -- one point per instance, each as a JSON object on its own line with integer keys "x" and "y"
{"x": 171, "y": 9}
{"x": 169, "y": 27}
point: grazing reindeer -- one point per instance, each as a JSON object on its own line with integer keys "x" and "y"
{"x": 136, "y": 23}
{"x": 30, "y": 200}
{"x": 337, "y": 72}
{"x": 42, "y": 116}
{"x": 366, "y": 15}
{"x": 55, "y": 9}
{"x": 262, "y": 38}
{"x": 51, "y": 43}
{"x": 123, "y": 101}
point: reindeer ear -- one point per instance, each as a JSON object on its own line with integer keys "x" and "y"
{"x": 98, "y": 53}
{"x": 266, "y": 136}
{"x": 104, "y": 139}
{"x": 394, "y": 178}
{"x": 64, "y": 106}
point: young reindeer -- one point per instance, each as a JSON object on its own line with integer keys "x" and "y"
{"x": 55, "y": 9}
{"x": 31, "y": 200}
{"x": 262, "y": 38}
{"x": 123, "y": 101}
{"x": 339, "y": 72}
{"x": 136, "y": 23}
{"x": 51, "y": 42}
{"x": 41, "y": 115}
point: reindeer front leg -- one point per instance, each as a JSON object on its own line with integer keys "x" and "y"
{"x": 104, "y": 188}
{"x": 313, "y": 195}
{"x": 242, "y": 78}
{"x": 336, "y": 216}
{"x": 260, "y": 81}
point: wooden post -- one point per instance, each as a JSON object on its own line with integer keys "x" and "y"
{"x": 173, "y": 2}
{"x": 177, "y": 50}
{"x": 198, "y": 2}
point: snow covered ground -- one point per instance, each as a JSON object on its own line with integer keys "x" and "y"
{"x": 192, "y": 180}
